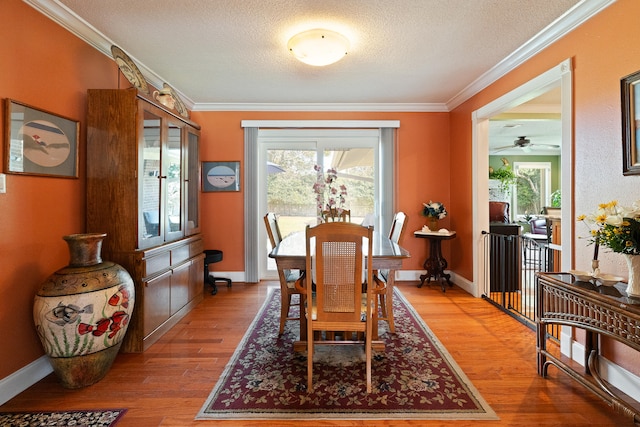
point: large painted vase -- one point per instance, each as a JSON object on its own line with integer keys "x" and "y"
{"x": 82, "y": 311}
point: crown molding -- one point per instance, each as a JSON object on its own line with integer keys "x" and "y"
{"x": 363, "y": 107}
{"x": 320, "y": 124}
{"x": 69, "y": 20}
{"x": 574, "y": 17}
{"x": 566, "y": 23}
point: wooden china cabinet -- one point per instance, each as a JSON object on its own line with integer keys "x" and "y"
{"x": 142, "y": 190}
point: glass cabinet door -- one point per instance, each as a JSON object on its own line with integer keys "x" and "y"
{"x": 192, "y": 183}
{"x": 172, "y": 165}
{"x": 150, "y": 227}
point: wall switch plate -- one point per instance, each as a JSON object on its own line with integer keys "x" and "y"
{"x": 3, "y": 183}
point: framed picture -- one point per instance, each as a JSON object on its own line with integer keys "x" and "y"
{"x": 38, "y": 142}
{"x": 220, "y": 176}
{"x": 630, "y": 90}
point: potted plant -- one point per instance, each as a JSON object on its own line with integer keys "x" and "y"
{"x": 505, "y": 175}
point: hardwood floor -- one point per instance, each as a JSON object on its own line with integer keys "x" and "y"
{"x": 169, "y": 383}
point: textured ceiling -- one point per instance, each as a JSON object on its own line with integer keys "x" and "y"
{"x": 229, "y": 53}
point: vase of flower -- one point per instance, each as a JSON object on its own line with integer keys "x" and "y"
{"x": 336, "y": 194}
{"x": 633, "y": 284}
{"x": 82, "y": 311}
{"x": 618, "y": 228}
{"x": 433, "y": 211}
{"x": 432, "y": 223}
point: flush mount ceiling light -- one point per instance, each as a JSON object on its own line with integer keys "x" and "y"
{"x": 318, "y": 47}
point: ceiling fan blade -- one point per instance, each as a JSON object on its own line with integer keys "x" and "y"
{"x": 506, "y": 147}
{"x": 544, "y": 146}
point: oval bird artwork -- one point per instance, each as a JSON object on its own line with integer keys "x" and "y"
{"x": 44, "y": 143}
{"x": 221, "y": 177}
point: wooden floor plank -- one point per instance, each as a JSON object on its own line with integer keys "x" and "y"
{"x": 169, "y": 383}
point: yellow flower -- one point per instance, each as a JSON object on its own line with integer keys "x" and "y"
{"x": 615, "y": 227}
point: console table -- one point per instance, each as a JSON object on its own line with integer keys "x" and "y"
{"x": 600, "y": 311}
{"x": 436, "y": 263}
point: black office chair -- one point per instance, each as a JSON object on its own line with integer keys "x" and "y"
{"x": 212, "y": 256}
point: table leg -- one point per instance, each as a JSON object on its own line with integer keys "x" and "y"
{"x": 435, "y": 266}
{"x": 389, "y": 301}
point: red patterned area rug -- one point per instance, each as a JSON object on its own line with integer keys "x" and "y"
{"x": 84, "y": 418}
{"x": 414, "y": 378}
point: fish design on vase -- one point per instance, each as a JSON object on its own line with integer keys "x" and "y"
{"x": 63, "y": 315}
{"x": 120, "y": 298}
{"x": 114, "y": 324}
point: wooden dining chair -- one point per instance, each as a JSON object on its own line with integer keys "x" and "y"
{"x": 287, "y": 277}
{"x": 336, "y": 215}
{"x": 336, "y": 300}
{"x": 386, "y": 299}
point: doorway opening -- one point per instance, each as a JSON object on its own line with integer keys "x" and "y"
{"x": 559, "y": 77}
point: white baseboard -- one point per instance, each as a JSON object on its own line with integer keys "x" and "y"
{"x": 413, "y": 275}
{"x": 24, "y": 378}
{"x": 235, "y": 276}
{"x": 617, "y": 376}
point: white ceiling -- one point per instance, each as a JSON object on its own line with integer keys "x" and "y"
{"x": 406, "y": 55}
{"x": 538, "y": 120}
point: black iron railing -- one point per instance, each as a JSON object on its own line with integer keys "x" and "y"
{"x": 511, "y": 262}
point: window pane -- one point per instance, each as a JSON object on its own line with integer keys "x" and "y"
{"x": 355, "y": 170}
{"x": 532, "y": 188}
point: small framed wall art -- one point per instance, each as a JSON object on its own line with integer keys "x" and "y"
{"x": 220, "y": 176}
{"x": 630, "y": 91}
{"x": 38, "y": 142}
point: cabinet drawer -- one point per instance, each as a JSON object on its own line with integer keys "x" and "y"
{"x": 180, "y": 287}
{"x": 156, "y": 264}
{"x": 179, "y": 255}
{"x": 196, "y": 248}
{"x": 156, "y": 303}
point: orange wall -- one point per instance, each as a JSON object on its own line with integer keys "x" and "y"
{"x": 603, "y": 50}
{"x": 44, "y": 66}
{"x": 423, "y": 154}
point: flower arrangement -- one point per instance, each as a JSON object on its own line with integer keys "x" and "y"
{"x": 615, "y": 227}
{"x": 337, "y": 194}
{"x": 434, "y": 210}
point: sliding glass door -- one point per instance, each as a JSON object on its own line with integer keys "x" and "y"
{"x": 288, "y": 176}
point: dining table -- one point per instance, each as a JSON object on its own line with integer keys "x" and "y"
{"x": 290, "y": 254}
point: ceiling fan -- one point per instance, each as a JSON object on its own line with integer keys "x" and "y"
{"x": 526, "y": 145}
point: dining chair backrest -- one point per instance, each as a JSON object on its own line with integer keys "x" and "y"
{"x": 273, "y": 230}
{"x": 337, "y": 263}
{"x": 397, "y": 227}
{"x": 550, "y": 213}
{"x": 395, "y": 235}
{"x": 336, "y": 215}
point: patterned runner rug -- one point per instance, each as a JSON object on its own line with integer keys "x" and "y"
{"x": 88, "y": 418}
{"x": 414, "y": 378}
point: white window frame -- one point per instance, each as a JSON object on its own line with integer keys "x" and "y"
{"x": 546, "y": 193}
{"x": 318, "y": 140}
{"x": 253, "y": 222}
